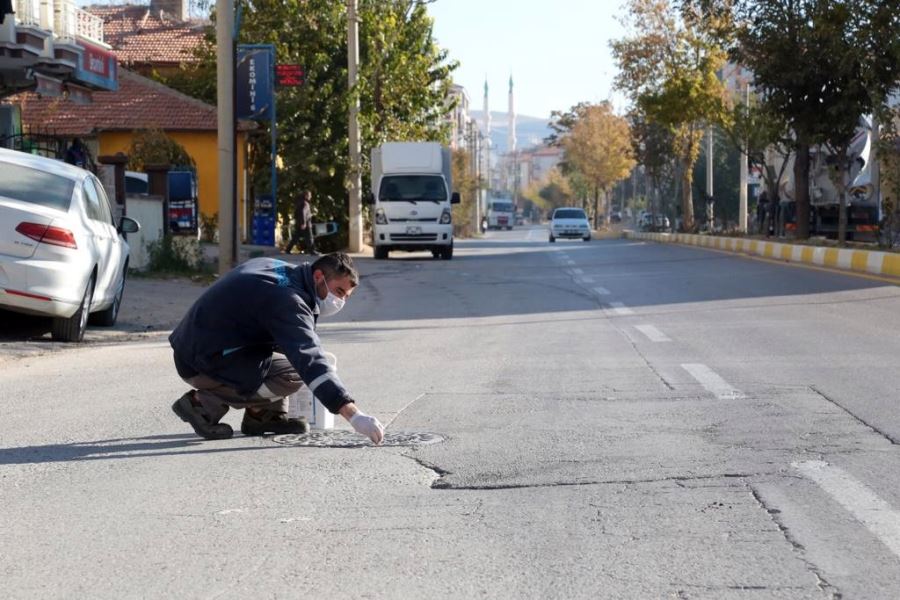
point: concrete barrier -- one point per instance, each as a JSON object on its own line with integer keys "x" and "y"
{"x": 872, "y": 262}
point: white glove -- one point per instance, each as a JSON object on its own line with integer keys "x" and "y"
{"x": 368, "y": 426}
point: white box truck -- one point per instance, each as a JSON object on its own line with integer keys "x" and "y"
{"x": 412, "y": 197}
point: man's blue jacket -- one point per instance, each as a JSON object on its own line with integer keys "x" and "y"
{"x": 262, "y": 306}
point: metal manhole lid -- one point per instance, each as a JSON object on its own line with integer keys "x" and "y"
{"x": 342, "y": 438}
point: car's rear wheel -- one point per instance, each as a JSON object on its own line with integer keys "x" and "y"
{"x": 72, "y": 329}
{"x": 107, "y": 317}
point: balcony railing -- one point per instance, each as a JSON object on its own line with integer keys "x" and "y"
{"x": 88, "y": 26}
{"x": 28, "y": 12}
{"x": 62, "y": 17}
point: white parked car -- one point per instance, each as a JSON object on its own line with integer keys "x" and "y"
{"x": 569, "y": 223}
{"x": 61, "y": 253}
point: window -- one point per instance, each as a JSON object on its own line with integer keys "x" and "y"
{"x": 92, "y": 201}
{"x": 105, "y": 209}
{"x": 400, "y": 188}
{"x": 569, "y": 213}
{"x": 34, "y": 186}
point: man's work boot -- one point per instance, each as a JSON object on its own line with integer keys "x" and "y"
{"x": 267, "y": 421}
{"x": 191, "y": 411}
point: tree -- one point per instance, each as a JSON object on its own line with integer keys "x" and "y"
{"x": 155, "y": 147}
{"x": 465, "y": 182}
{"x": 667, "y": 65}
{"x": 599, "y": 148}
{"x": 820, "y": 64}
{"x": 404, "y": 77}
{"x": 653, "y": 146}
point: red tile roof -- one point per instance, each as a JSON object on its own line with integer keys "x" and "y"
{"x": 139, "y": 35}
{"x": 139, "y": 104}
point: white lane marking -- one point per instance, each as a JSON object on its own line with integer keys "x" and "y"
{"x": 570, "y": 262}
{"x": 710, "y": 380}
{"x": 584, "y": 280}
{"x": 578, "y": 271}
{"x": 619, "y": 308}
{"x": 601, "y": 291}
{"x": 864, "y": 504}
{"x": 652, "y": 333}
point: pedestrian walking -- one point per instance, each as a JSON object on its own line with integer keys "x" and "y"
{"x": 225, "y": 348}
{"x": 303, "y": 227}
{"x": 761, "y": 201}
{"x": 77, "y": 154}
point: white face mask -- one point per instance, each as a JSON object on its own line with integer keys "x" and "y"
{"x": 331, "y": 305}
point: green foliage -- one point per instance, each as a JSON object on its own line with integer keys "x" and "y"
{"x": 668, "y": 64}
{"x": 404, "y": 78}
{"x": 820, "y": 64}
{"x": 209, "y": 227}
{"x": 465, "y": 182}
{"x": 174, "y": 255}
{"x": 155, "y": 147}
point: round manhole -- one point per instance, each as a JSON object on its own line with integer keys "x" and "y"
{"x": 341, "y": 438}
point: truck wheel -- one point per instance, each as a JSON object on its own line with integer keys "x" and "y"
{"x": 381, "y": 253}
{"x": 447, "y": 252}
{"x": 587, "y": 238}
{"x": 552, "y": 239}
{"x": 436, "y": 253}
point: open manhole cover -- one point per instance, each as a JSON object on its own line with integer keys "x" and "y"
{"x": 341, "y": 438}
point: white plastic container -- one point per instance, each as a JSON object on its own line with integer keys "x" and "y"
{"x": 304, "y": 404}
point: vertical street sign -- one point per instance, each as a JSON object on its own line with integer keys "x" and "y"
{"x": 255, "y": 84}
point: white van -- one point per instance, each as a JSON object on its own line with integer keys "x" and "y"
{"x": 501, "y": 213}
{"x": 412, "y": 197}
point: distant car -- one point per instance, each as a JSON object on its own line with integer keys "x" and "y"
{"x": 615, "y": 217}
{"x": 645, "y": 222}
{"x": 569, "y": 223}
{"x": 661, "y": 223}
{"x": 61, "y": 253}
{"x": 137, "y": 183}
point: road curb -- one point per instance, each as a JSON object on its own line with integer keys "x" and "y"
{"x": 869, "y": 262}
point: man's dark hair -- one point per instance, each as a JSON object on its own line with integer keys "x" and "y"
{"x": 337, "y": 264}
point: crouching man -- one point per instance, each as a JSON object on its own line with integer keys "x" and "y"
{"x": 250, "y": 341}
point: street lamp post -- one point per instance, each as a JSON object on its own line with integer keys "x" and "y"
{"x": 355, "y": 208}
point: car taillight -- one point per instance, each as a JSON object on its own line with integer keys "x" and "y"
{"x": 43, "y": 234}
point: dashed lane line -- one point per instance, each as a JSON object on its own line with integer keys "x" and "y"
{"x": 652, "y": 333}
{"x": 601, "y": 291}
{"x": 710, "y": 380}
{"x": 585, "y": 280}
{"x": 865, "y": 505}
{"x": 578, "y": 271}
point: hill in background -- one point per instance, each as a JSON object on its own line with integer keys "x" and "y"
{"x": 530, "y": 131}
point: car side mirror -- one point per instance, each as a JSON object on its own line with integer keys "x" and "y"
{"x": 369, "y": 199}
{"x": 454, "y": 198}
{"x": 129, "y": 225}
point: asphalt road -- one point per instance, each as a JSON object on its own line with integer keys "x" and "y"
{"x": 622, "y": 420}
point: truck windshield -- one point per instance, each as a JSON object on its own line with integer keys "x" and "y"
{"x": 502, "y": 207}
{"x": 405, "y": 188}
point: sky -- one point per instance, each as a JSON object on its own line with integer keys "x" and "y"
{"x": 557, "y": 51}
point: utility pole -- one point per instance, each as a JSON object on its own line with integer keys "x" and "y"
{"x": 742, "y": 193}
{"x": 225, "y": 100}
{"x": 356, "y": 226}
{"x": 709, "y": 177}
